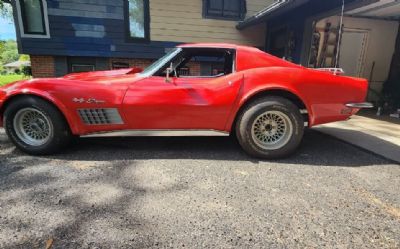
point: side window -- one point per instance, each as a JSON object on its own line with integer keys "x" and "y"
{"x": 224, "y": 9}
{"x": 206, "y": 63}
{"x": 204, "y": 66}
{"x": 33, "y": 20}
{"x": 137, "y": 20}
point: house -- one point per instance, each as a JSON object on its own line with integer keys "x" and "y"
{"x": 309, "y": 32}
{"x": 83, "y": 35}
{"x": 15, "y": 66}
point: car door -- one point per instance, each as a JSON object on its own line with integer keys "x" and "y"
{"x": 181, "y": 103}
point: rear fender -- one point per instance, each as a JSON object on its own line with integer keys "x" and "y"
{"x": 246, "y": 96}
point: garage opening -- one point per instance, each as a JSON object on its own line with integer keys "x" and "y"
{"x": 366, "y": 50}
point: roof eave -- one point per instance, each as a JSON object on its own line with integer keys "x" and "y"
{"x": 286, "y": 5}
{"x": 271, "y": 11}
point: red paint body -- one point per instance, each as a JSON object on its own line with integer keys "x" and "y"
{"x": 193, "y": 103}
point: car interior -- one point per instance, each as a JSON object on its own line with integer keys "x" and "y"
{"x": 200, "y": 62}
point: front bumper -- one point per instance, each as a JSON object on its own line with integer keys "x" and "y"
{"x": 2, "y": 99}
{"x": 360, "y": 105}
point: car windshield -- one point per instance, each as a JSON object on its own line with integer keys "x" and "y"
{"x": 150, "y": 70}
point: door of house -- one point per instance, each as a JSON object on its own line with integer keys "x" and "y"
{"x": 352, "y": 51}
{"x": 277, "y": 42}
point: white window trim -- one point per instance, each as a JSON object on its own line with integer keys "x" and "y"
{"x": 21, "y": 24}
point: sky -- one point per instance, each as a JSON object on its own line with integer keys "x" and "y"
{"x": 7, "y": 29}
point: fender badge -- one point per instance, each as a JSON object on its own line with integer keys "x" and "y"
{"x": 95, "y": 101}
{"x": 80, "y": 100}
{"x": 89, "y": 101}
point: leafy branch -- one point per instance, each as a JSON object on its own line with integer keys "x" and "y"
{"x": 5, "y": 9}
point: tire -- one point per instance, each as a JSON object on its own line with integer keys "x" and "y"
{"x": 270, "y": 128}
{"x": 36, "y": 126}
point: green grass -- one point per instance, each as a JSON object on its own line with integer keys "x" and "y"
{"x": 8, "y": 78}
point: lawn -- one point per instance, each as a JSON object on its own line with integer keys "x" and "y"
{"x": 8, "y": 78}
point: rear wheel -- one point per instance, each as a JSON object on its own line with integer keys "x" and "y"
{"x": 271, "y": 127}
{"x": 36, "y": 126}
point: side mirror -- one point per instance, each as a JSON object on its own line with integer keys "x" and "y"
{"x": 136, "y": 70}
{"x": 168, "y": 71}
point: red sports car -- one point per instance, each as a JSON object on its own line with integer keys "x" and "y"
{"x": 194, "y": 90}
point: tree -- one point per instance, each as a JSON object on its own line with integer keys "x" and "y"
{"x": 8, "y": 52}
{"x": 2, "y": 44}
{"x": 5, "y": 9}
{"x": 24, "y": 57}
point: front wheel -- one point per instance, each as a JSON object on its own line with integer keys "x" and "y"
{"x": 270, "y": 128}
{"x": 36, "y": 126}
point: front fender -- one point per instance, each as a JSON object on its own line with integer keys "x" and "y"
{"x": 46, "y": 96}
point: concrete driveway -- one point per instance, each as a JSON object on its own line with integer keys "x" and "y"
{"x": 197, "y": 193}
{"x": 378, "y": 136}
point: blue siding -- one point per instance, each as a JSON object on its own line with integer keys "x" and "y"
{"x": 90, "y": 28}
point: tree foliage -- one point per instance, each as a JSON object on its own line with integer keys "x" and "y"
{"x": 5, "y": 9}
{"x": 8, "y": 51}
{"x": 26, "y": 70}
{"x": 24, "y": 57}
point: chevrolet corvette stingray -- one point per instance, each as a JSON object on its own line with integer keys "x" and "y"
{"x": 194, "y": 90}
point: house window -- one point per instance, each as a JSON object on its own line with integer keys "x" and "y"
{"x": 79, "y": 68}
{"x": 119, "y": 65}
{"x": 137, "y": 20}
{"x": 224, "y": 9}
{"x": 81, "y": 64}
{"x": 32, "y": 16}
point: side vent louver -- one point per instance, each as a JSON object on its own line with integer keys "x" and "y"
{"x": 100, "y": 116}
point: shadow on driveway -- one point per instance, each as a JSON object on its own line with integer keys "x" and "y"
{"x": 100, "y": 193}
{"x": 316, "y": 149}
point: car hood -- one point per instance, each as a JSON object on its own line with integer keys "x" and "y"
{"x": 101, "y": 75}
{"x": 108, "y": 83}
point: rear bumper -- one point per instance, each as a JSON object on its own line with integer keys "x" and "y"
{"x": 2, "y": 99}
{"x": 360, "y": 105}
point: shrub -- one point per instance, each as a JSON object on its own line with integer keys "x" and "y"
{"x": 26, "y": 70}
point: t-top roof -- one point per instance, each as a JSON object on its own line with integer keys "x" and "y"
{"x": 208, "y": 45}
{"x": 216, "y": 45}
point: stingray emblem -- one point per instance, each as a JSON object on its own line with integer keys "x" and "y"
{"x": 88, "y": 101}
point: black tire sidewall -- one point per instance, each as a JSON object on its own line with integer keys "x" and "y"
{"x": 60, "y": 131}
{"x": 244, "y": 126}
